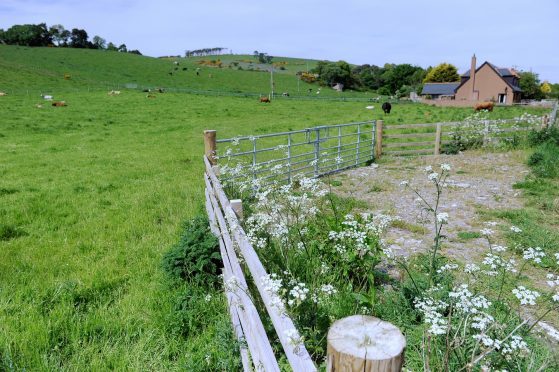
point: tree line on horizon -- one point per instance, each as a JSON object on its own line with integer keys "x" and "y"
{"x": 39, "y": 35}
{"x": 402, "y": 79}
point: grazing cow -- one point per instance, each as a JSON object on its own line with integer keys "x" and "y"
{"x": 47, "y": 97}
{"x": 185, "y": 68}
{"x": 265, "y": 99}
{"x": 484, "y": 106}
{"x": 146, "y": 90}
{"x": 386, "y": 107}
{"x": 59, "y": 103}
{"x": 150, "y": 95}
{"x": 285, "y": 94}
{"x": 2, "y": 94}
{"x": 161, "y": 90}
{"x": 114, "y": 93}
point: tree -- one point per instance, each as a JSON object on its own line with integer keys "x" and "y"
{"x": 545, "y": 88}
{"x": 443, "y": 73}
{"x": 59, "y": 34}
{"x": 330, "y": 73}
{"x": 112, "y": 47}
{"x": 28, "y": 35}
{"x": 78, "y": 38}
{"x": 99, "y": 42}
{"x": 530, "y": 85}
{"x": 122, "y": 48}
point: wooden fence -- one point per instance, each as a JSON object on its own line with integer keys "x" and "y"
{"x": 256, "y": 351}
{"x": 430, "y": 138}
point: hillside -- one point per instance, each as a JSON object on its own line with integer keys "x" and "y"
{"x": 32, "y": 70}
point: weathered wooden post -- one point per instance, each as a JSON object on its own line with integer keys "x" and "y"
{"x": 378, "y": 137}
{"x": 438, "y": 139}
{"x": 237, "y": 206}
{"x": 210, "y": 146}
{"x": 365, "y": 344}
{"x": 545, "y": 122}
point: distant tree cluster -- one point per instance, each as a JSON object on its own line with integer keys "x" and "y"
{"x": 391, "y": 79}
{"x": 56, "y": 36}
{"x": 204, "y": 52}
{"x": 262, "y": 57}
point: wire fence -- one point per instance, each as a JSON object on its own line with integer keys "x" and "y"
{"x": 310, "y": 152}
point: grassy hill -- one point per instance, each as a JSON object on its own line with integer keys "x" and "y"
{"x": 25, "y": 69}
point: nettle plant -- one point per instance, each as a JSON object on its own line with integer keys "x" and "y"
{"x": 478, "y": 315}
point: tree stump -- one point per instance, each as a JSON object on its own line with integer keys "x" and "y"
{"x": 365, "y": 343}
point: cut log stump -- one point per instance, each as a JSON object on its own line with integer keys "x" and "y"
{"x": 365, "y": 343}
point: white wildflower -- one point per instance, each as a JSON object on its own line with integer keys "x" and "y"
{"x": 442, "y": 218}
{"x": 481, "y": 321}
{"x": 534, "y": 254}
{"x": 499, "y": 248}
{"x": 445, "y": 167}
{"x": 431, "y": 312}
{"x": 490, "y": 223}
{"x": 486, "y": 232}
{"x": 208, "y": 297}
{"x": 433, "y": 176}
{"x": 471, "y": 268}
{"x": 553, "y": 280}
{"x": 428, "y": 169}
{"x": 298, "y": 294}
{"x": 515, "y": 229}
{"x": 526, "y": 296}
{"x": 404, "y": 183}
{"x": 447, "y": 267}
{"x": 488, "y": 341}
{"x": 328, "y": 289}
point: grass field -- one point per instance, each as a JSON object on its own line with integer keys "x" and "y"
{"x": 93, "y": 194}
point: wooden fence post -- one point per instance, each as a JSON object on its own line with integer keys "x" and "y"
{"x": 438, "y": 139}
{"x": 210, "y": 145}
{"x": 365, "y": 344}
{"x": 378, "y": 137}
{"x": 545, "y": 122}
{"x": 237, "y": 205}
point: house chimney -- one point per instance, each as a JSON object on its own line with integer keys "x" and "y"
{"x": 473, "y": 77}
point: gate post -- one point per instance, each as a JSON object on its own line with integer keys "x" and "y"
{"x": 210, "y": 146}
{"x": 378, "y": 137}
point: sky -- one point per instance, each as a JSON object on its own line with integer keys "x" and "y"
{"x": 512, "y": 33}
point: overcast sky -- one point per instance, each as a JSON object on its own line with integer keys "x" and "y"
{"x": 512, "y": 33}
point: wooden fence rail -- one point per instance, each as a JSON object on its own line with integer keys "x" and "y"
{"x": 392, "y": 140}
{"x": 244, "y": 315}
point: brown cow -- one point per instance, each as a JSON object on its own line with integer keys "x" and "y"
{"x": 484, "y": 106}
{"x": 59, "y": 103}
{"x": 264, "y": 99}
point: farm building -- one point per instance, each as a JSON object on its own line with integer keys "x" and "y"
{"x": 484, "y": 83}
{"x": 440, "y": 90}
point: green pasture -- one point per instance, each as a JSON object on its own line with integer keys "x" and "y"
{"x": 93, "y": 194}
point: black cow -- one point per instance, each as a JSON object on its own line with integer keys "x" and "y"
{"x": 386, "y": 107}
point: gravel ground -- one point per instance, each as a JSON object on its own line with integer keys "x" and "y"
{"x": 478, "y": 181}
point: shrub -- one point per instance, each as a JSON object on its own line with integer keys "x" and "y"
{"x": 545, "y": 160}
{"x": 196, "y": 256}
{"x": 538, "y": 137}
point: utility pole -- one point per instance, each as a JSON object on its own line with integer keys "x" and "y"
{"x": 272, "y": 81}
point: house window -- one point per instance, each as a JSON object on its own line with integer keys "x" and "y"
{"x": 502, "y": 98}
